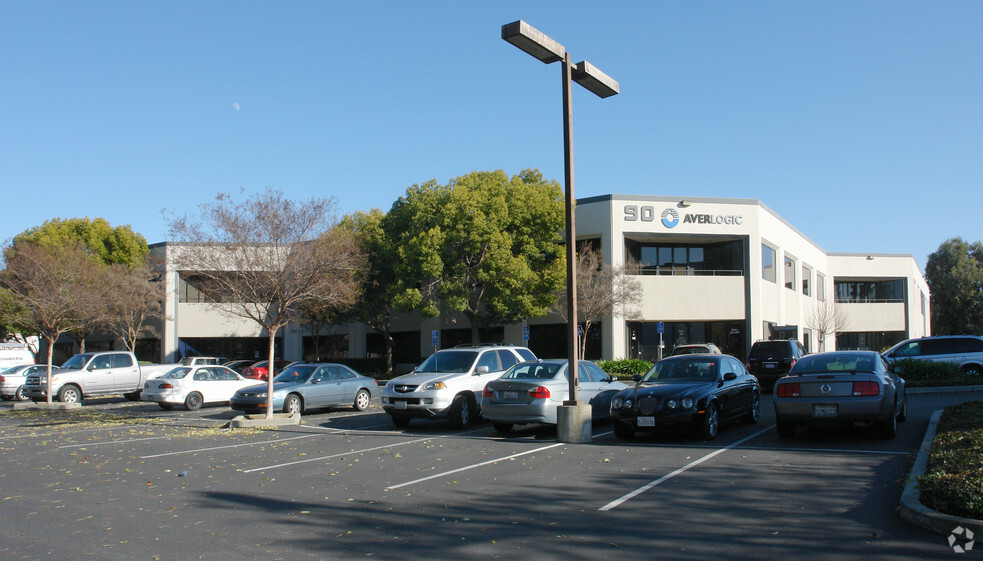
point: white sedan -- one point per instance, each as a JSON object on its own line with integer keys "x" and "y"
{"x": 194, "y": 386}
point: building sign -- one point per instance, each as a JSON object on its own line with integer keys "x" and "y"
{"x": 670, "y": 218}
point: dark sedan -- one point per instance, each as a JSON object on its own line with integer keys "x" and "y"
{"x": 696, "y": 392}
{"x": 841, "y": 387}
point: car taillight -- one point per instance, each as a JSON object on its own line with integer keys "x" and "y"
{"x": 486, "y": 392}
{"x": 165, "y": 386}
{"x": 866, "y": 388}
{"x": 2, "y": 380}
{"x": 540, "y": 393}
{"x": 788, "y": 390}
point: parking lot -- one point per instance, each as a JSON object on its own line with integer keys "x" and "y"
{"x": 344, "y": 485}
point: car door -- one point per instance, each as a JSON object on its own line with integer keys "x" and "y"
{"x": 324, "y": 387}
{"x": 593, "y": 388}
{"x": 98, "y": 378}
{"x": 348, "y": 385}
{"x": 729, "y": 392}
{"x": 126, "y": 373}
{"x": 226, "y": 383}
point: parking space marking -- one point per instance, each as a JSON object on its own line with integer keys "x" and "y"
{"x": 473, "y": 466}
{"x": 113, "y": 442}
{"x": 228, "y": 446}
{"x": 687, "y": 467}
{"x": 773, "y": 449}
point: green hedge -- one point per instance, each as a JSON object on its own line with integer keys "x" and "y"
{"x": 625, "y": 368}
{"x": 953, "y": 482}
{"x": 925, "y": 373}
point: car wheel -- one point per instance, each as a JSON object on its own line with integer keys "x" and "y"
{"x": 888, "y": 428}
{"x": 786, "y": 429}
{"x": 624, "y": 431}
{"x": 362, "y": 400}
{"x": 166, "y": 406}
{"x": 502, "y": 428}
{"x": 70, "y": 394}
{"x": 21, "y": 394}
{"x": 293, "y": 405}
{"x": 193, "y": 401}
{"x": 461, "y": 412}
{"x": 711, "y": 423}
{"x": 401, "y": 421}
{"x": 972, "y": 370}
{"x": 751, "y": 417}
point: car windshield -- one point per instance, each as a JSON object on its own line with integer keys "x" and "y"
{"x": 296, "y": 374}
{"x": 690, "y": 350}
{"x": 449, "y": 361}
{"x": 177, "y": 373}
{"x": 76, "y": 362}
{"x": 696, "y": 369}
{"x": 839, "y": 362}
{"x": 766, "y": 349}
{"x": 533, "y": 371}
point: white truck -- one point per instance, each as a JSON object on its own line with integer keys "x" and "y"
{"x": 90, "y": 374}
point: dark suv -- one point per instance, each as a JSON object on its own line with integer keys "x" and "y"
{"x": 770, "y": 360}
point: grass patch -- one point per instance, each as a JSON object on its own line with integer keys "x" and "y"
{"x": 625, "y": 368}
{"x": 953, "y": 482}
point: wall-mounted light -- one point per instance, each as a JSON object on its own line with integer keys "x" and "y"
{"x": 685, "y": 203}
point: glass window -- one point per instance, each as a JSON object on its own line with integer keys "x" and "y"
{"x": 122, "y": 361}
{"x": 489, "y": 359}
{"x": 789, "y": 273}
{"x": 660, "y": 258}
{"x": 820, "y": 287}
{"x": 806, "y": 277}
{"x": 768, "y": 271}
{"x": 506, "y": 359}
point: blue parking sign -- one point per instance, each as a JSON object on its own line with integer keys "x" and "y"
{"x": 661, "y": 327}
{"x": 436, "y": 337}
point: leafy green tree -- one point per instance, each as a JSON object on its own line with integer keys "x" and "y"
{"x": 14, "y": 318}
{"x": 485, "y": 245}
{"x": 110, "y": 245}
{"x": 954, "y": 274}
{"x": 376, "y": 305}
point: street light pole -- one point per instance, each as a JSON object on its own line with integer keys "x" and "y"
{"x": 571, "y": 426}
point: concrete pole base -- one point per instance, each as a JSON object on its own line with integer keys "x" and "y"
{"x": 573, "y": 422}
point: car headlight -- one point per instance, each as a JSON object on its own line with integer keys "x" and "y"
{"x": 628, "y": 403}
{"x": 687, "y": 403}
{"x": 617, "y": 402}
{"x": 671, "y": 404}
{"x": 389, "y": 386}
{"x": 262, "y": 394}
{"x": 435, "y": 386}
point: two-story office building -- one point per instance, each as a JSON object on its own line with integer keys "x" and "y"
{"x": 726, "y": 271}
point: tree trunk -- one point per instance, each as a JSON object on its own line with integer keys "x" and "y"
{"x": 390, "y": 367}
{"x": 47, "y": 381}
{"x": 269, "y": 372}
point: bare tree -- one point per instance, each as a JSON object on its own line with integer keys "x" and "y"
{"x": 827, "y": 319}
{"x": 53, "y": 282}
{"x": 137, "y": 297}
{"x": 602, "y": 290}
{"x": 263, "y": 257}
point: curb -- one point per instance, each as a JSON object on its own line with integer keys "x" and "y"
{"x": 943, "y": 389}
{"x": 911, "y": 508}
{"x": 255, "y": 421}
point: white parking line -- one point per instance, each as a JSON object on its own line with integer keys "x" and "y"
{"x": 659, "y": 481}
{"x": 228, "y": 446}
{"x": 473, "y": 466}
{"x": 112, "y": 442}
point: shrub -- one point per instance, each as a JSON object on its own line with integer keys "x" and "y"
{"x": 926, "y": 373}
{"x": 953, "y": 483}
{"x": 627, "y": 367}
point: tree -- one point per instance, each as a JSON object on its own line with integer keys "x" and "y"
{"x": 602, "y": 290}
{"x": 51, "y": 281}
{"x": 826, "y": 319}
{"x": 137, "y": 297}
{"x": 485, "y": 245}
{"x": 376, "y": 305}
{"x": 108, "y": 244}
{"x": 261, "y": 258}
{"x": 954, "y": 274}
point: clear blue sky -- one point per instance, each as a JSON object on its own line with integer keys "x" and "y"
{"x": 861, "y": 123}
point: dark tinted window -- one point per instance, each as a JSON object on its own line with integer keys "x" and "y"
{"x": 122, "y": 361}
{"x": 526, "y": 354}
{"x": 507, "y": 359}
{"x": 773, "y": 349}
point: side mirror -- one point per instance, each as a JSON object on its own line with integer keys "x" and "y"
{"x": 730, "y": 376}
{"x": 481, "y": 370}
{"x": 611, "y": 378}
{"x": 636, "y": 377}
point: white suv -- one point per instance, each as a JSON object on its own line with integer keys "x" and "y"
{"x": 449, "y": 383}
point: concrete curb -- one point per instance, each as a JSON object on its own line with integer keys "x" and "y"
{"x": 54, "y": 406}
{"x": 255, "y": 421}
{"x": 943, "y": 389}
{"x": 911, "y": 508}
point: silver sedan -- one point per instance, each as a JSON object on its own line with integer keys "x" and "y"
{"x": 840, "y": 387}
{"x": 530, "y": 392}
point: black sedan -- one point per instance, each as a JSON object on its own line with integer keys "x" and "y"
{"x": 690, "y": 392}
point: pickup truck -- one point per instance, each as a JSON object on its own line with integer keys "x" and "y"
{"x": 152, "y": 371}
{"x": 90, "y": 374}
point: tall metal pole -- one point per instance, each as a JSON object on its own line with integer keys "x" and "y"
{"x": 571, "y": 233}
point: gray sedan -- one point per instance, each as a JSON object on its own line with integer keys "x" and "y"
{"x": 840, "y": 387}
{"x": 530, "y": 392}
{"x": 309, "y": 386}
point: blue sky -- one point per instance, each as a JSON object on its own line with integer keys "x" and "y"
{"x": 861, "y": 123}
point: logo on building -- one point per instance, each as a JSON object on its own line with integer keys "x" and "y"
{"x": 670, "y": 218}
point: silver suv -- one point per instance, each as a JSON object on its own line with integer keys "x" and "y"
{"x": 966, "y": 351}
{"x": 449, "y": 383}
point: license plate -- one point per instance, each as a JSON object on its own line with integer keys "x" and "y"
{"x": 646, "y": 421}
{"x": 770, "y": 364}
{"x": 824, "y": 411}
{"x": 400, "y": 404}
{"x": 511, "y": 396}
